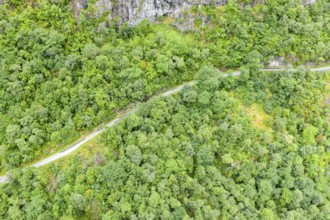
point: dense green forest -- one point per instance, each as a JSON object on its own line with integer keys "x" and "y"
{"x": 279, "y": 28}
{"x": 54, "y": 85}
{"x": 61, "y": 76}
{"x": 253, "y": 147}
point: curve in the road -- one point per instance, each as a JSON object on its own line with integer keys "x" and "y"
{"x": 76, "y": 145}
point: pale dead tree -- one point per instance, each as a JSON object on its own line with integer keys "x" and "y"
{"x": 99, "y": 160}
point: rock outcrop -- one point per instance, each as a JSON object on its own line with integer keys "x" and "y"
{"x": 134, "y": 11}
{"x": 77, "y": 6}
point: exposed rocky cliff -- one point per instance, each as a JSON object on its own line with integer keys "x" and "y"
{"x": 134, "y": 11}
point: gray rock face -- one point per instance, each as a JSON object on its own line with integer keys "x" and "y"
{"x": 77, "y": 6}
{"x": 134, "y": 11}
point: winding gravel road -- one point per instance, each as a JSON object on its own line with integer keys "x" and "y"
{"x": 80, "y": 142}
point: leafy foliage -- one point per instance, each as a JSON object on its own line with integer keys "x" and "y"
{"x": 55, "y": 84}
{"x": 239, "y": 35}
{"x": 253, "y": 147}
{"x": 188, "y": 158}
{"x": 60, "y": 77}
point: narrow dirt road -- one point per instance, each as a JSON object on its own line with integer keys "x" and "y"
{"x": 82, "y": 141}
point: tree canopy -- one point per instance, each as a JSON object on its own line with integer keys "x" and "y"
{"x": 205, "y": 153}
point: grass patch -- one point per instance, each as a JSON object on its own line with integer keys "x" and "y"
{"x": 257, "y": 115}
